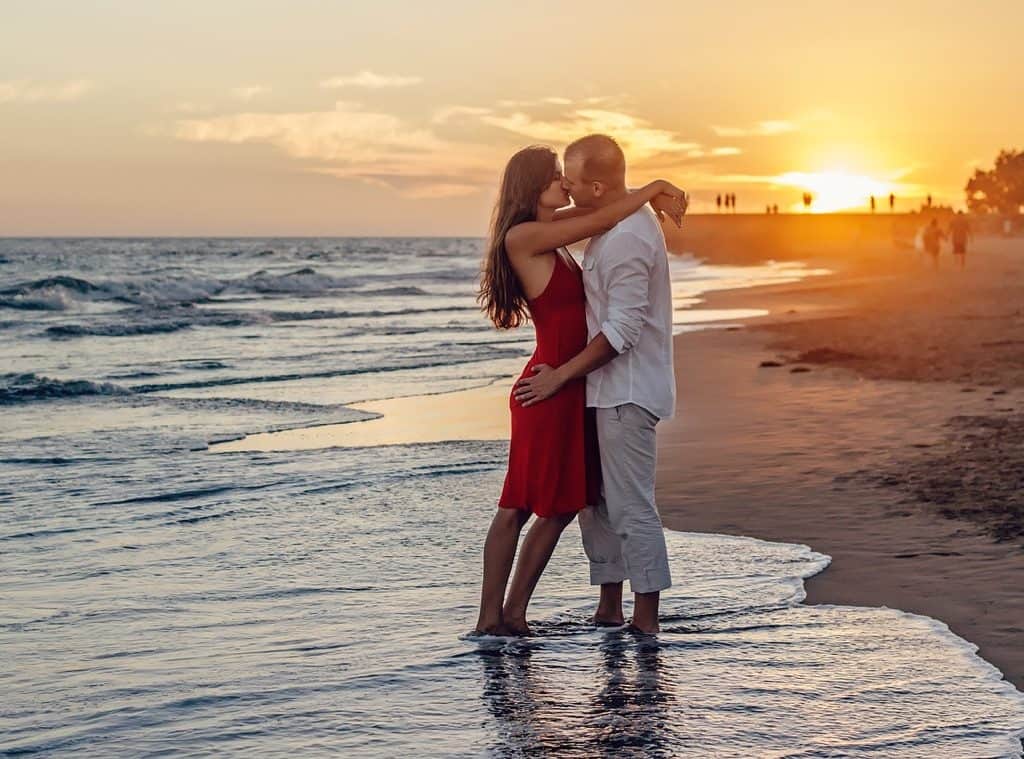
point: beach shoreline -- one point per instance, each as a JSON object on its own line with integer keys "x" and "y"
{"x": 833, "y": 442}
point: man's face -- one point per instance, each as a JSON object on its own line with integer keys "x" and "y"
{"x": 583, "y": 193}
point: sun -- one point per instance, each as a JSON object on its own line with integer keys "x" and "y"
{"x": 835, "y": 190}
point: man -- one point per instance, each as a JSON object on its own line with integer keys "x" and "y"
{"x": 630, "y": 383}
{"x": 931, "y": 239}
{"x": 960, "y": 232}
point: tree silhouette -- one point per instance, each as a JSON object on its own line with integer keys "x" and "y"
{"x": 1001, "y": 189}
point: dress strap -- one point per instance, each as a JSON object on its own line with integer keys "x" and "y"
{"x": 566, "y": 256}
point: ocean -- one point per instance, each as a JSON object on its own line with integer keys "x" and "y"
{"x": 159, "y": 599}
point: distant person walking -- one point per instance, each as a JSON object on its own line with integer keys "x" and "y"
{"x": 775, "y": 208}
{"x": 931, "y": 239}
{"x": 892, "y": 202}
{"x": 718, "y": 202}
{"x": 872, "y": 204}
{"x": 732, "y": 202}
{"x": 960, "y": 233}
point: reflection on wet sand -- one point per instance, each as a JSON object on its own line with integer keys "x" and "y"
{"x": 629, "y": 714}
{"x": 524, "y": 693}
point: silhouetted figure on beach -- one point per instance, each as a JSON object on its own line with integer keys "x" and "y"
{"x": 931, "y": 239}
{"x": 768, "y": 210}
{"x": 732, "y": 201}
{"x": 718, "y": 202}
{"x": 775, "y": 208}
{"x": 872, "y": 204}
{"x": 808, "y": 199}
{"x": 928, "y": 200}
{"x": 960, "y": 233}
{"x": 892, "y": 202}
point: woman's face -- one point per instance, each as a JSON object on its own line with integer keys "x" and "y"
{"x": 555, "y": 194}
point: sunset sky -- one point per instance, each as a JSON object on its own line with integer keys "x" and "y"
{"x": 225, "y": 117}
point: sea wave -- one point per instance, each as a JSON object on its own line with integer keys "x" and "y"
{"x": 47, "y": 294}
{"x": 151, "y": 321}
{"x": 446, "y": 358}
{"x": 173, "y": 287}
{"x": 23, "y": 388}
{"x": 408, "y": 290}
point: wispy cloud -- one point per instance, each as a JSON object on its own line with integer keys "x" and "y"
{"x": 352, "y": 143}
{"x": 456, "y": 150}
{"x": 370, "y": 80}
{"x": 36, "y": 92}
{"x": 451, "y": 112}
{"x": 549, "y": 100}
{"x": 340, "y": 134}
{"x": 712, "y": 152}
{"x": 761, "y": 129}
{"x": 249, "y": 92}
{"x": 638, "y": 138}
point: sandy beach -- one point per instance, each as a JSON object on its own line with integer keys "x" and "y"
{"x": 889, "y": 433}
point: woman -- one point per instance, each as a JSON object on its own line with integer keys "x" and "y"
{"x": 527, "y": 273}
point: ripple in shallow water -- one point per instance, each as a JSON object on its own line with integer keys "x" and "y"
{"x": 315, "y": 619}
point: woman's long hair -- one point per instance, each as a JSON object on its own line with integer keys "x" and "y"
{"x": 527, "y": 175}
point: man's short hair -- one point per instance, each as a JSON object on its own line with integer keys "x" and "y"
{"x": 603, "y": 159}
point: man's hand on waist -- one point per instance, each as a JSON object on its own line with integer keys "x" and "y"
{"x": 544, "y": 383}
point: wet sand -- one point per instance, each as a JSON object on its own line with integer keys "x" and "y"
{"x": 895, "y": 446}
{"x": 475, "y": 414}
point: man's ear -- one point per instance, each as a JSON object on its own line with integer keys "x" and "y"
{"x": 598, "y": 188}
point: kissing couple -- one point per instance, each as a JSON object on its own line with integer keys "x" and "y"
{"x": 584, "y": 409}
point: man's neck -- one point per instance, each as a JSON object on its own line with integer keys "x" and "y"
{"x": 610, "y": 196}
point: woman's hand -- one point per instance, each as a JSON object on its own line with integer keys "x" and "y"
{"x": 671, "y": 202}
{"x": 674, "y": 208}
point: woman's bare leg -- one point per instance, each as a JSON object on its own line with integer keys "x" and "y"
{"x": 537, "y": 549}
{"x": 499, "y": 552}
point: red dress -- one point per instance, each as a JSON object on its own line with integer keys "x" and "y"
{"x": 553, "y": 464}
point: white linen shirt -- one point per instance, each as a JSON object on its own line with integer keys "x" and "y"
{"x": 629, "y": 299}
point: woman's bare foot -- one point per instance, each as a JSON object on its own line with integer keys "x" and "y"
{"x": 635, "y": 628}
{"x": 490, "y": 630}
{"x": 607, "y": 622}
{"x": 518, "y": 627}
{"x": 515, "y": 622}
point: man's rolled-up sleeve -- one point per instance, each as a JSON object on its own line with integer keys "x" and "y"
{"x": 627, "y": 263}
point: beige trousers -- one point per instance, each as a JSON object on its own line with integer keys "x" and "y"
{"x": 622, "y": 534}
